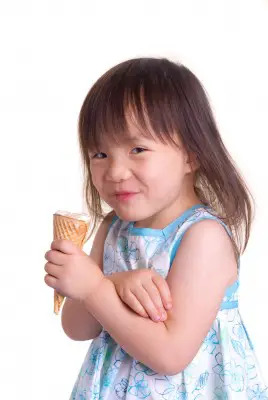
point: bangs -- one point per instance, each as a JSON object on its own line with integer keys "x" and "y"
{"x": 137, "y": 90}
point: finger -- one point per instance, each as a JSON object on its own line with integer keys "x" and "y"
{"x": 65, "y": 246}
{"x": 131, "y": 300}
{"x": 51, "y": 281}
{"x": 53, "y": 270}
{"x": 155, "y": 297}
{"x": 164, "y": 290}
{"x": 146, "y": 302}
{"x": 55, "y": 257}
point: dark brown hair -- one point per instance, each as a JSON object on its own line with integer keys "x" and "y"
{"x": 174, "y": 100}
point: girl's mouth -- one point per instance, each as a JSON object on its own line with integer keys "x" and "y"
{"x": 124, "y": 196}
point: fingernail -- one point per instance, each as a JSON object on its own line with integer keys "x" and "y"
{"x": 163, "y": 315}
{"x": 157, "y": 317}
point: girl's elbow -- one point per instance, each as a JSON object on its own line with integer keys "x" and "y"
{"x": 169, "y": 366}
{"x": 162, "y": 366}
{"x": 174, "y": 366}
{"x": 171, "y": 369}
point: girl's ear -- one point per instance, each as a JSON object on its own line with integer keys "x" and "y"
{"x": 192, "y": 164}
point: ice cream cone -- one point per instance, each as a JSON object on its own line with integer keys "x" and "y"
{"x": 69, "y": 226}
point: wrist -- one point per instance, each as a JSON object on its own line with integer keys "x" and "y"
{"x": 111, "y": 277}
{"x": 96, "y": 292}
{"x": 115, "y": 276}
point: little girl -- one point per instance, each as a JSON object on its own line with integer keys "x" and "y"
{"x": 180, "y": 219}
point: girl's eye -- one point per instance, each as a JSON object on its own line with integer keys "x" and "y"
{"x": 96, "y": 155}
{"x": 99, "y": 155}
{"x": 141, "y": 149}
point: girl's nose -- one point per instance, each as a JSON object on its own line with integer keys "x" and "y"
{"x": 117, "y": 172}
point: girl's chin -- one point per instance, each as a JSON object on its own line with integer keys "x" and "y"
{"x": 128, "y": 215}
{"x": 125, "y": 216}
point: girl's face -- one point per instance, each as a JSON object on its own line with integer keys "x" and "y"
{"x": 157, "y": 177}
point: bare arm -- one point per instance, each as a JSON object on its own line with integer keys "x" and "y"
{"x": 168, "y": 347}
{"x": 77, "y": 321}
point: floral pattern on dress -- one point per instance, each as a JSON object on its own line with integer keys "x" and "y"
{"x": 225, "y": 366}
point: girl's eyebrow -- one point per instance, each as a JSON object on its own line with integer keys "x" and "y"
{"x": 129, "y": 139}
{"x": 137, "y": 138}
{"x": 133, "y": 138}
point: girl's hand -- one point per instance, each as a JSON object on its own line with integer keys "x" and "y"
{"x": 70, "y": 271}
{"x": 143, "y": 290}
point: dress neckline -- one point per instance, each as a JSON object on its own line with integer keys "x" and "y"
{"x": 169, "y": 228}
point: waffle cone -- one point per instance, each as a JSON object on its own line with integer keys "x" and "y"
{"x": 69, "y": 227}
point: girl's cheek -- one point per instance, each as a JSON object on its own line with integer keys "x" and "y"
{"x": 95, "y": 181}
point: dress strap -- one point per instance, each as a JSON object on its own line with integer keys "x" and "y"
{"x": 115, "y": 217}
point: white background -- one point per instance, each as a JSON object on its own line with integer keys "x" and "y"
{"x": 51, "y": 53}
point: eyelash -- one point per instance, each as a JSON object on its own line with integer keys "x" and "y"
{"x": 140, "y": 148}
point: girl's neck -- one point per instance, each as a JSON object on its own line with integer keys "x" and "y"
{"x": 165, "y": 217}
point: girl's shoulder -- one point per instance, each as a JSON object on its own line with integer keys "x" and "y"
{"x": 200, "y": 220}
{"x": 205, "y": 213}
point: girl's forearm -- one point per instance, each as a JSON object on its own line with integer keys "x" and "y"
{"x": 140, "y": 337}
{"x": 77, "y": 322}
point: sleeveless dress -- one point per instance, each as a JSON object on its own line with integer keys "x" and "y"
{"x": 224, "y": 368}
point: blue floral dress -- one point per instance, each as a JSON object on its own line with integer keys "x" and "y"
{"x": 224, "y": 368}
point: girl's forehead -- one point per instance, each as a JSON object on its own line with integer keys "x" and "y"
{"x": 127, "y": 138}
{"x": 136, "y": 132}
{"x": 133, "y": 131}
{"x": 137, "y": 138}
